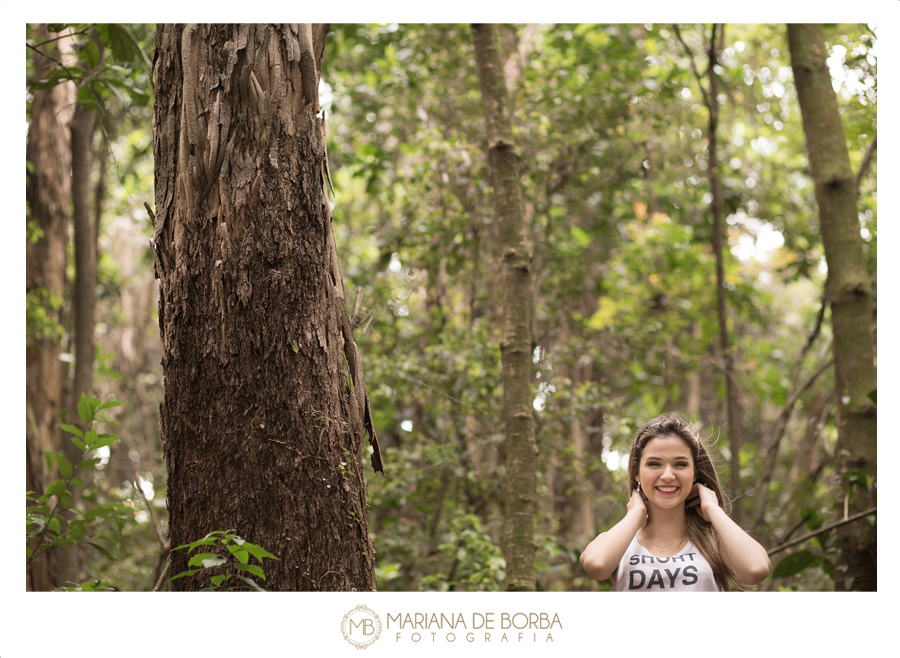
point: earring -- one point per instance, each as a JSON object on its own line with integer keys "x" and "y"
{"x": 638, "y": 486}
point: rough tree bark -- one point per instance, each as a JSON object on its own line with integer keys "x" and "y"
{"x": 515, "y": 342}
{"x": 48, "y": 194}
{"x": 265, "y": 405}
{"x": 851, "y": 304}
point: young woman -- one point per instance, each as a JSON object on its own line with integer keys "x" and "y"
{"x": 675, "y": 536}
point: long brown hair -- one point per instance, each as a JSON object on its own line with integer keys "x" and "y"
{"x": 700, "y": 532}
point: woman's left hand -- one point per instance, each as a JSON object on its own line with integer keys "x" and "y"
{"x": 704, "y": 499}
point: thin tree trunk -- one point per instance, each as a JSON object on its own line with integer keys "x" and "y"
{"x": 47, "y": 193}
{"x": 83, "y": 302}
{"x": 515, "y": 342}
{"x": 692, "y": 404}
{"x": 851, "y": 303}
{"x": 734, "y": 426}
{"x": 265, "y": 405}
{"x": 586, "y": 526}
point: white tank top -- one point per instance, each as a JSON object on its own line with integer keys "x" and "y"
{"x": 641, "y": 571}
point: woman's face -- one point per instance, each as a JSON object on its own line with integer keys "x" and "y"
{"x": 666, "y": 471}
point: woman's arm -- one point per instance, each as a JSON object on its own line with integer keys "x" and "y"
{"x": 744, "y": 555}
{"x": 601, "y": 557}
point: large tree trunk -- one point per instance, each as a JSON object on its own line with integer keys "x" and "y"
{"x": 262, "y": 424}
{"x": 734, "y": 424}
{"x": 515, "y": 342}
{"x": 48, "y": 194}
{"x": 851, "y": 304}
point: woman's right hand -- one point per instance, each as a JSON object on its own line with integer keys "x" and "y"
{"x": 639, "y": 505}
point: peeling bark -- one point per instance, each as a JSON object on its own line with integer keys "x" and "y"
{"x": 265, "y": 406}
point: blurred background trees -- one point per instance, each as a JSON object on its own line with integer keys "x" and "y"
{"x": 611, "y": 126}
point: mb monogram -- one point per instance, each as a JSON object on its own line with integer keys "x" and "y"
{"x": 361, "y": 627}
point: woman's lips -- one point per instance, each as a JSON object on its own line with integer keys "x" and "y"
{"x": 667, "y": 491}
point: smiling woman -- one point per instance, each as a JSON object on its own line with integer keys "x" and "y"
{"x": 676, "y": 534}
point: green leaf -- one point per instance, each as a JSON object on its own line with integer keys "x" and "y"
{"x": 218, "y": 580}
{"x": 111, "y": 404}
{"x": 872, "y": 396}
{"x": 240, "y": 553}
{"x": 94, "y": 513}
{"x": 200, "y": 542}
{"x": 102, "y": 550}
{"x": 77, "y": 529}
{"x": 184, "y": 573}
{"x": 258, "y": 552}
{"x": 252, "y": 584}
{"x": 252, "y": 568}
{"x": 104, "y": 440}
{"x": 197, "y": 560}
{"x": 89, "y": 52}
{"x": 216, "y": 561}
{"x": 85, "y": 410}
{"x": 123, "y": 45}
{"x": 88, "y": 463}
{"x": 72, "y": 429}
{"x": 206, "y": 541}
{"x": 795, "y": 563}
{"x": 65, "y": 466}
{"x": 56, "y": 487}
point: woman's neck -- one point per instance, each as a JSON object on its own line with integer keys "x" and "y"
{"x": 666, "y": 522}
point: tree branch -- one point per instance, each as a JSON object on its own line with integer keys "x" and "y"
{"x": 781, "y": 422}
{"x": 63, "y": 36}
{"x": 690, "y": 55}
{"x": 867, "y": 160}
{"x": 832, "y": 526}
{"x": 514, "y": 65}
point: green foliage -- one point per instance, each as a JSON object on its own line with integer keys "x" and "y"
{"x": 795, "y": 563}
{"x": 225, "y": 551}
{"x": 110, "y": 68}
{"x": 51, "y": 520}
{"x": 611, "y": 130}
{"x": 42, "y": 316}
{"x": 477, "y": 563}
